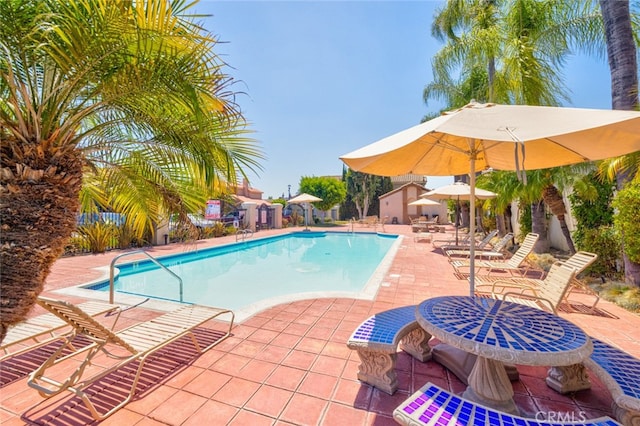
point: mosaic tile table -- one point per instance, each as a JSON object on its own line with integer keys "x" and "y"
{"x": 502, "y": 332}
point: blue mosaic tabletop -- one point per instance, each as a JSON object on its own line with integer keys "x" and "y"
{"x": 504, "y": 331}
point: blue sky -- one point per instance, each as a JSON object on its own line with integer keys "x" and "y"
{"x": 323, "y": 78}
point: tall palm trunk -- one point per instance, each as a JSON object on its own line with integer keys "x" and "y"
{"x": 500, "y": 225}
{"x": 539, "y": 226}
{"x": 553, "y": 199}
{"x": 621, "y": 51}
{"x": 38, "y": 206}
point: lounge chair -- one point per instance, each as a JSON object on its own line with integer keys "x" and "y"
{"x": 449, "y": 243}
{"x": 369, "y": 221}
{"x": 497, "y": 250}
{"x": 499, "y": 285}
{"x": 466, "y": 243}
{"x": 137, "y": 343}
{"x": 548, "y": 296}
{"x": 38, "y": 331}
{"x": 383, "y": 221}
{"x": 515, "y": 264}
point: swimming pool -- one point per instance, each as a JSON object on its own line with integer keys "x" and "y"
{"x": 262, "y": 272}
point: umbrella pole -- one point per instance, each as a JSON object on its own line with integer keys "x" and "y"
{"x": 472, "y": 225}
{"x": 457, "y": 217}
{"x": 306, "y": 217}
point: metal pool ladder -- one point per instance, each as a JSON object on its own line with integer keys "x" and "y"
{"x": 243, "y": 234}
{"x": 153, "y": 259}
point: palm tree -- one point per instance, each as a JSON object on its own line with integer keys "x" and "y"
{"x": 505, "y": 185}
{"x": 131, "y": 92}
{"x": 550, "y": 183}
{"x": 522, "y": 46}
{"x": 543, "y": 190}
{"x": 621, "y": 51}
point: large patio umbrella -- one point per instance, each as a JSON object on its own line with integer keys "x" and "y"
{"x": 457, "y": 191}
{"x": 304, "y": 199}
{"x": 503, "y": 137}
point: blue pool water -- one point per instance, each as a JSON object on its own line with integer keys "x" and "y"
{"x": 236, "y": 275}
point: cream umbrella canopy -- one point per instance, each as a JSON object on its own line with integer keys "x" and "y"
{"x": 304, "y": 198}
{"x": 423, "y": 202}
{"x": 503, "y": 137}
{"x": 457, "y": 191}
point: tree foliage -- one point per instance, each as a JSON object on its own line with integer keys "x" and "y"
{"x": 363, "y": 191}
{"x": 627, "y": 203}
{"x": 591, "y": 206}
{"x": 330, "y": 190}
{"x": 126, "y": 99}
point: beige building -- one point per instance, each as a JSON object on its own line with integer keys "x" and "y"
{"x": 394, "y": 204}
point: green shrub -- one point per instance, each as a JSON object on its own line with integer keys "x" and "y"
{"x": 488, "y": 222}
{"x": 627, "y": 203}
{"x": 99, "y": 236}
{"x": 125, "y": 236}
{"x": 623, "y": 295}
{"x": 77, "y": 244}
{"x": 605, "y": 242}
{"x": 218, "y": 229}
{"x": 525, "y": 219}
{"x": 591, "y": 206}
{"x": 542, "y": 260}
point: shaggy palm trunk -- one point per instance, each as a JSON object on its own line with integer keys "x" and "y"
{"x": 553, "y": 199}
{"x": 621, "y": 51}
{"x": 500, "y": 225}
{"x": 539, "y": 226}
{"x": 38, "y": 206}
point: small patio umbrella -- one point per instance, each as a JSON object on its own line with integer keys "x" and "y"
{"x": 458, "y": 191}
{"x": 503, "y": 137}
{"x": 423, "y": 202}
{"x": 305, "y": 199}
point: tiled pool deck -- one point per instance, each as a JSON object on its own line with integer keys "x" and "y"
{"x": 289, "y": 364}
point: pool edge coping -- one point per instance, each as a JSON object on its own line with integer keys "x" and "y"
{"x": 368, "y": 292}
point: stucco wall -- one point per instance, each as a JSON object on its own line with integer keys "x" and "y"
{"x": 395, "y": 204}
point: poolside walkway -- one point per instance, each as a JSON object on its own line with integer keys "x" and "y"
{"x": 289, "y": 364}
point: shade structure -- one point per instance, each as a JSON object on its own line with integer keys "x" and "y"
{"x": 457, "y": 191}
{"x": 305, "y": 199}
{"x": 423, "y": 202}
{"x": 503, "y": 137}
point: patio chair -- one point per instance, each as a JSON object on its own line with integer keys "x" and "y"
{"x": 497, "y": 250}
{"x": 517, "y": 263}
{"x": 548, "y": 296}
{"x": 449, "y": 243}
{"x": 498, "y": 285}
{"x": 137, "y": 342}
{"x": 466, "y": 243}
{"x": 38, "y": 331}
{"x": 420, "y": 224}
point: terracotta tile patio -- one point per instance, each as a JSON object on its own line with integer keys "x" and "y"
{"x": 289, "y": 364}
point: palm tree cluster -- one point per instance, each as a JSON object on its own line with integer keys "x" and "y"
{"x": 112, "y": 103}
{"x": 513, "y": 52}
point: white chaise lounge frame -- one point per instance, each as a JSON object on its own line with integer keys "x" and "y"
{"x": 139, "y": 341}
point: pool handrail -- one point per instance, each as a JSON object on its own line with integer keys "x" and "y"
{"x": 243, "y": 233}
{"x": 153, "y": 259}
